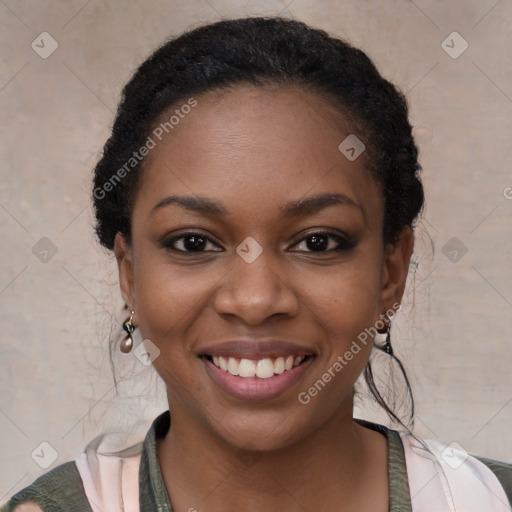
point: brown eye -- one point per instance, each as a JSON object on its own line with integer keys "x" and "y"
{"x": 324, "y": 241}
{"x": 189, "y": 242}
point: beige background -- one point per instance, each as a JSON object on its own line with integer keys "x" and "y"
{"x": 56, "y": 382}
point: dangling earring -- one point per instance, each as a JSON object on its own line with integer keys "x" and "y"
{"x": 387, "y": 345}
{"x": 384, "y": 338}
{"x": 127, "y": 343}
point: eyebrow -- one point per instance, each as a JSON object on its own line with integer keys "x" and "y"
{"x": 313, "y": 204}
{"x": 298, "y": 208}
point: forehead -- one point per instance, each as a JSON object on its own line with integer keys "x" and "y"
{"x": 258, "y": 146}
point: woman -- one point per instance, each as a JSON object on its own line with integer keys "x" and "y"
{"x": 259, "y": 191}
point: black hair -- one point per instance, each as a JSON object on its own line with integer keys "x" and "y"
{"x": 264, "y": 51}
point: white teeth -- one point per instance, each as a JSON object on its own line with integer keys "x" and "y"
{"x": 233, "y": 366}
{"x": 246, "y": 368}
{"x": 263, "y": 368}
{"x": 279, "y": 365}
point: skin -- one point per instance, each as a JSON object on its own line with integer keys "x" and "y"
{"x": 254, "y": 150}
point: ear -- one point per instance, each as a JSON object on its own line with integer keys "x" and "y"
{"x": 396, "y": 268}
{"x": 124, "y": 257}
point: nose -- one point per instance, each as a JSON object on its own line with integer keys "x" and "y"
{"x": 255, "y": 291}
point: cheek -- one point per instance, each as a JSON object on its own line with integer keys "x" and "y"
{"x": 168, "y": 298}
{"x": 156, "y": 300}
{"x": 167, "y": 302}
{"x": 346, "y": 298}
{"x": 346, "y": 305}
{"x": 345, "y": 302}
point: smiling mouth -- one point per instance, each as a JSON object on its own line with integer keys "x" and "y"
{"x": 257, "y": 368}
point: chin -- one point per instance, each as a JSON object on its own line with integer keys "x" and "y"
{"x": 263, "y": 431}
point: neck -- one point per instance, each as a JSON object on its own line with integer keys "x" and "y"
{"x": 346, "y": 461}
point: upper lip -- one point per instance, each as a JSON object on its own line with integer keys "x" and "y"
{"x": 255, "y": 349}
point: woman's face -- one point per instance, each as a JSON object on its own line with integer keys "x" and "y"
{"x": 255, "y": 238}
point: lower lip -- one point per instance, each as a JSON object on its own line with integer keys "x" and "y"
{"x": 254, "y": 388}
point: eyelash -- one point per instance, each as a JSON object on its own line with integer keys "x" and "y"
{"x": 344, "y": 243}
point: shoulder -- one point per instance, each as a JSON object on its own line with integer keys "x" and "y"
{"x": 58, "y": 490}
{"x": 468, "y": 477}
{"x": 503, "y": 472}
